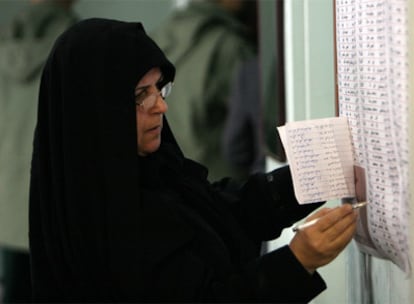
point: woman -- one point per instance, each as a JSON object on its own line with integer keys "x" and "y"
{"x": 118, "y": 214}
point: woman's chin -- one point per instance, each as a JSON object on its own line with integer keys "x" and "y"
{"x": 148, "y": 149}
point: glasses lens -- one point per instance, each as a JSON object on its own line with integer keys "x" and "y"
{"x": 166, "y": 90}
{"x": 148, "y": 102}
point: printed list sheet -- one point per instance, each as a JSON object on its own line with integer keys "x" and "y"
{"x": 372, "y": 77}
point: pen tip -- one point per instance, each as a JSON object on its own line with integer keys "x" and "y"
{"x": 359, "y": 205}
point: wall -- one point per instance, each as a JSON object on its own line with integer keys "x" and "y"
{"x": 310, "y": 93}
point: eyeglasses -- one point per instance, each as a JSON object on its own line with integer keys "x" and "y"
{"x": 146, "y": 101}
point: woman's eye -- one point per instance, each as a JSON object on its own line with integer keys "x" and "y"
{"x": 140, "y": 97}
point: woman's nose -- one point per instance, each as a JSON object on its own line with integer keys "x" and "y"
{"x": 161, "y": 104}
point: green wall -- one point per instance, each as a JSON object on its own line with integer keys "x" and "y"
{"x": 310, "y": 93}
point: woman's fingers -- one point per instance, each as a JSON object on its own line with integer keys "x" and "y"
{"x": 319, "y": 244}
{"x": 337, "y": 219}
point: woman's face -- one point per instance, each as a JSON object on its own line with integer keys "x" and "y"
{"x": 149, "y": 117}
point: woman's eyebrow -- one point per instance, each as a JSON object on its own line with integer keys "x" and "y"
{"x": 143, "y": 88}
{"x": 147, "y": 86}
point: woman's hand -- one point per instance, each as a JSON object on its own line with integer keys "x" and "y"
{"x": 320, "y": 243}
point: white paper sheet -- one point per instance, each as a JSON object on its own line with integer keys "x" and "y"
{"x": 320, "y": 156}
{"x": 372, "y": 65}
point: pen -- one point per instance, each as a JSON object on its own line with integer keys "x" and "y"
{"x": 310, "y": 223}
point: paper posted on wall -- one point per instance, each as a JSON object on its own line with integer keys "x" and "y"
{"x": 321, "y": 155}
